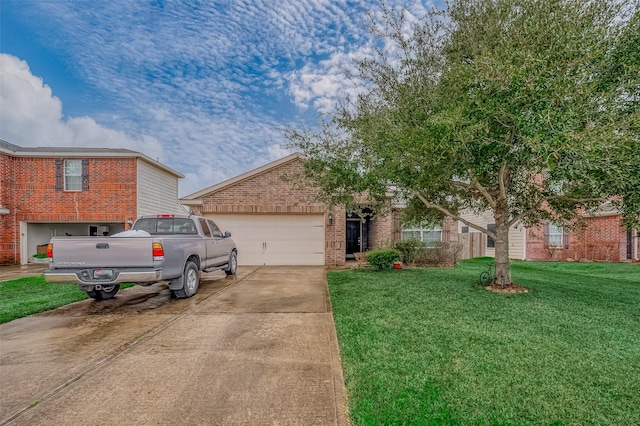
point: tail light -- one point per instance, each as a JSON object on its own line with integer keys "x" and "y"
{"x": 50, "y": 250}
{"x": 158, "y": 251}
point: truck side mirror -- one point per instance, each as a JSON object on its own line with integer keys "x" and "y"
{"x": 227, "y": 234}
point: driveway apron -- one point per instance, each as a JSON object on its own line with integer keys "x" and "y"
{"x": 259, "y": 349}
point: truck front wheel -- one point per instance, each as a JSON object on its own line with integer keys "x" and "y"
{"x": 233, "y": 264}
{"x": 106, "y": 292}
{"x": 190, "y": 281}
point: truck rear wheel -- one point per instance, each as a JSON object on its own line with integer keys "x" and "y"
{"x": 190, "y": 280}
{"x": 105, "y": 293}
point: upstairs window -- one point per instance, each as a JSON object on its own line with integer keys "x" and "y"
{"x": 73, "y": 175}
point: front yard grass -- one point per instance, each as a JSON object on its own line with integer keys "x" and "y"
{"x": 31, "y": 295}
{"x": 431, "y": 346}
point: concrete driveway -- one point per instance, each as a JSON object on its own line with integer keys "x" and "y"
{"x": 257, "y": 349}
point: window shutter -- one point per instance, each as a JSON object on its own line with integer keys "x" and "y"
{"x": 59, "y": 175}
{"x": 85, "y": 175}
{"x": 565, "y": 237}
{"x": 546, "y": 234}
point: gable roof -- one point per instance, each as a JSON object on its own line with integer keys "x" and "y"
{"x": 193, "y": 199}
{"x": 76, "y": 152}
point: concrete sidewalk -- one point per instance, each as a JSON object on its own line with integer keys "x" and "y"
{"x": 259, "y": 350}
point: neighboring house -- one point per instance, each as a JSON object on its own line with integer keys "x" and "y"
{"x": 277, "y": 221}
{"x": 602, "y": 238}
{"x": 55, "y": 191}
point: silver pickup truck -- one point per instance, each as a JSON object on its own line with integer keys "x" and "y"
{"x": 171, "y": 248}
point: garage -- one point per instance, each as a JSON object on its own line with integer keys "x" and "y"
{"x": 272, "y": 239}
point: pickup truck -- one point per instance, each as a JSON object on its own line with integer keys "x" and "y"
{"x": 171, "y": 248}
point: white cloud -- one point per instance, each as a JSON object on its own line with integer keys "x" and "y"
{"x": 32, "y": 116}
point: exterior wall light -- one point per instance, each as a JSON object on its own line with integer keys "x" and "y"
{"x": 330, "y": 218}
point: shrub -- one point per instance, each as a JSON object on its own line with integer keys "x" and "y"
{"x": 418, "y": 253}
{"x": 381, "y": 259}
{"x": 411, "y": 250}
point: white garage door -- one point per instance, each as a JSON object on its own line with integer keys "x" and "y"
{"x": 275, "y": 239}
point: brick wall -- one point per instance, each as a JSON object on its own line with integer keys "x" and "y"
{"x": 601, "y": 239}
{"x": 29, "y": 192}
{"x": 275, "y": 191}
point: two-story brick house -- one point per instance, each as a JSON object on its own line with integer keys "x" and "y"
{"x": 277, "y": 221}
{"x": 56, "y": 191}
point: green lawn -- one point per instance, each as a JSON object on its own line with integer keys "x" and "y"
{"x": 31, "y": 295}
{"x": 431, "y": 346}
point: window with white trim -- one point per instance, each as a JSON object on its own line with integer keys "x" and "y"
{"x": 555, "y": 235}
{"x": 73, "y": 175}
{"x": 426, "y": 235}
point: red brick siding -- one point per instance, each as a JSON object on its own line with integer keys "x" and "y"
{"x": 269, "y": 193}
{"x": 30, "y": 186}
{"x": 601, "y": 239}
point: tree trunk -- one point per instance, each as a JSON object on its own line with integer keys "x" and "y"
{"x": 503, "y": 274}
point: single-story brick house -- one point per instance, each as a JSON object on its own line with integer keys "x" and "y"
{"x": 276, "y": 221}
{"x": 56, "y": 191}
{"x": 602, "y": 238}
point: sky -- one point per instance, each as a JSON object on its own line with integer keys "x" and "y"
{"x": 205, "y": 88}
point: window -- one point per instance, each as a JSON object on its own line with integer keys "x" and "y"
{"x": 555, "y": 235}
{"x": 427, "y": 235}
{"x": 214, "y": 229}
{"x": 205, "y": 228}
{"x": 491, "y": 228}
{"x": 465, "y": 229}
{"x": 73, "y": 175}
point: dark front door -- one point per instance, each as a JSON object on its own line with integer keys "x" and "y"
{"x": 629, "y": 245}
{"x": 354, "y": 231}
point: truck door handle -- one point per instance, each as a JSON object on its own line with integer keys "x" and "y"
{"x": 102, "y": 246}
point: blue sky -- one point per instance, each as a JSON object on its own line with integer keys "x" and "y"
{"x": 205, "y": 87}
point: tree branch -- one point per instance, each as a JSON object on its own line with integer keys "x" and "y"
{"x": 501, "y": 180}
{"x": 452, "y": 215}
{"x": 483, "y": 191}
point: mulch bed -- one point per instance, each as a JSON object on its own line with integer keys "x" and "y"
{"x": 512, "y": 288}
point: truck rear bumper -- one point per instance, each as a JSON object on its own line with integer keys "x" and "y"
{"x": 84, "y": 276}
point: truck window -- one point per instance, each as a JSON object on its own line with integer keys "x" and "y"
{"x": 214, "y": 229}
{"x": 184, "y": 226}
{"x": 205, "y": 228}
{"x": 164, "y": 226}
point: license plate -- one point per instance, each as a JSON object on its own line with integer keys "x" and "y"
{"x": 103, "y": 274}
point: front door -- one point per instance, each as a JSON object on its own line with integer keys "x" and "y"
{"x": 354, "y": 234}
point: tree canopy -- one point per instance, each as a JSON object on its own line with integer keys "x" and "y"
{"x": 525, "y": 108}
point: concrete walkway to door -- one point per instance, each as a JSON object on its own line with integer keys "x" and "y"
{"x": 258, "y": 350}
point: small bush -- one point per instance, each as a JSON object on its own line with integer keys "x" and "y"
{"x": 418, "y": 253}
{"x": 411, "y": 250}
{"x": 382, "y": 259}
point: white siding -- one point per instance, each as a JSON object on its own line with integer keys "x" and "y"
{"x": 517, "y": 235}
{"x": 157, "y": 191}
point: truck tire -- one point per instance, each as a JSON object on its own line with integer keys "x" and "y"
{"x": 107, "y": 292}
{"x": 190, "y": 281}
{"x": 233, "y": 264}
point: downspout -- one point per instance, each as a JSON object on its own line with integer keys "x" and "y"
{"x": 636, "y": 238}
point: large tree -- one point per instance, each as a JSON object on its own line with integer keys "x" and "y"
{"x": 526, "y": 108}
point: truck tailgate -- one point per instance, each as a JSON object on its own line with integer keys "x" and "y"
{"x": 93, "y": 252}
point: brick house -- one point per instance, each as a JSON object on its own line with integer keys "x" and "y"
{"x": 602, "y": 238}
{"x": 276, "y": 221}
{"x": 55, "y": 191}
